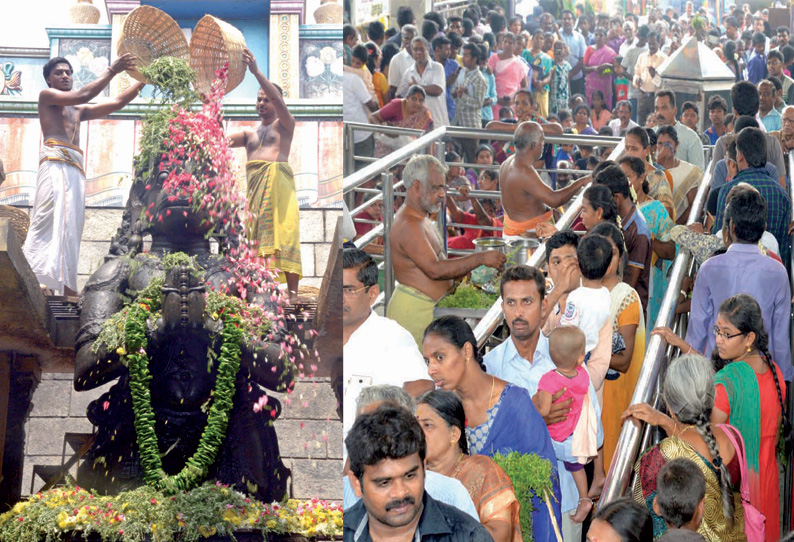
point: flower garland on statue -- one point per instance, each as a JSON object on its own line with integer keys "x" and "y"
{"x": 137, "y": 359}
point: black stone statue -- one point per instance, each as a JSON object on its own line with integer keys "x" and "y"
{"x": 178, "y": 344}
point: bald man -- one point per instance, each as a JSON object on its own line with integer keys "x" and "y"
{"x": 525, "y": 197}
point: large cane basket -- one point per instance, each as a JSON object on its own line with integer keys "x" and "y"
{"x": 149, "y": 34}
{"x": 213, "y": 44}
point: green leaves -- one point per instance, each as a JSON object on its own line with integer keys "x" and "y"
{"x": 172, "y": 79}
{"x": 467, "y": 296}
{"x": 532, "y": 477}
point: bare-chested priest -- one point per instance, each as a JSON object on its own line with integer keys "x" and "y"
{"x": 271, "y": 183}
{"x": 525, "y": 197}
{"x": 53, "y": 244}
{"x": 420, "y": 266}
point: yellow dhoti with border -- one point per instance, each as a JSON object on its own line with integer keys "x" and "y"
{"x": 412, "y": 309}
{"x": 276, "y": 223}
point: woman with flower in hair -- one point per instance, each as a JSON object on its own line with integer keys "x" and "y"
{"x": 379, "y": 81}
{"x": 659, "y": 224}
{"x": 628, "y": 351}
{"x": 689, "y": 395}
{"x": 660, "y": 183}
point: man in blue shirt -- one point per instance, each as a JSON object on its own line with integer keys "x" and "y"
{"x": 743, "y": 269}
{"x": 442, "y": 49}
{"x": 717, "y": 107}
{"x": 576, "y": 50}
{"x": 756, "y": 67}
{"x": 524, "y": 357}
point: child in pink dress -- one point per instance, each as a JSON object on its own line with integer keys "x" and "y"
{"x": 567, "y": 350}
{"x": 587, "y": 310}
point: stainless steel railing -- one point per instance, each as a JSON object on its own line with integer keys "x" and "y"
{"x": 488, "y": 324}
{"x": 628, "y": 446}
{"x": 434, "y": 141}
{"x": 789, "y": 470}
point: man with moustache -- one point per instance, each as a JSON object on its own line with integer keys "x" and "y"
{"x": 52, "y": 247}
{"x": 271, "y": 183}
{"x": 387, "y": 451}
{"x": 423, "y": 272}
{"x": 363, "y": 332}
{"x": 524, "y": 357}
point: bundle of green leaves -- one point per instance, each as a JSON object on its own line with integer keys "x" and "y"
{"x": 172, "y": 79}
{"x": 532, "y": 478}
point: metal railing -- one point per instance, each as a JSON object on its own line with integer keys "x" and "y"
{"x": 789, "y": 470}
{"x": 628, "y": 446}
{"x": 433, "y": 140}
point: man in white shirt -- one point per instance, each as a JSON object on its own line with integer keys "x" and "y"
{"x": 646, "y": 80}
{"x": 628, "y": 33}
{"x": 401, "y": 61}
{"x": 430, "y": 75}
{"x": 623, "y": 123}
{"x": 630, "y": 57}
{"x": 376, "y": 349}
{"x": 357, "y": 101}
{"x": 524, "y": 357}
{"x": 690, "y": 147}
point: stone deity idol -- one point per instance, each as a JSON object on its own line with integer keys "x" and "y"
{"x": 180, "y": 336}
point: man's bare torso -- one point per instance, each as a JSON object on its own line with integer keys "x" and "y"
{"x": 268, "y": 142}
{"x": 61, "y": 123}
{"x": 517, "y": 201}
{"x": 407, "y": 230}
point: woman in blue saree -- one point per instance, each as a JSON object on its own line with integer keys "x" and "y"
{"x": 500, "y": 417}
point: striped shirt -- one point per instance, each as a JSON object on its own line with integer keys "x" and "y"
{"x": 778, "y": 204}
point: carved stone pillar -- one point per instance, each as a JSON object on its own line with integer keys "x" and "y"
{"x": 19, "y": 376}
{"x": 286, "y": 16}
{"x": 117, "y": 12}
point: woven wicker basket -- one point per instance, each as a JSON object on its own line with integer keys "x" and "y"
{"x": 214, "y": 43}
{"x": 149, "y": 34}
{"x": 19, "y": 221}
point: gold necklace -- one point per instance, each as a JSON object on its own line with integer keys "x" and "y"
{"x": 684, "y": 429}
{"x": 456, "y": 467}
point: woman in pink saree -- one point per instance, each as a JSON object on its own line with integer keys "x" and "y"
{"x": 509, "y": 70}
{"x": 409, "y": 112}
{"x": 598, "y": 69}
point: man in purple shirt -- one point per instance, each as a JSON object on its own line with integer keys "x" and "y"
{"x": 743, "y": 269}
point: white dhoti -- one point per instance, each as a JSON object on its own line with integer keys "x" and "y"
{"x": 53, "y": 244}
